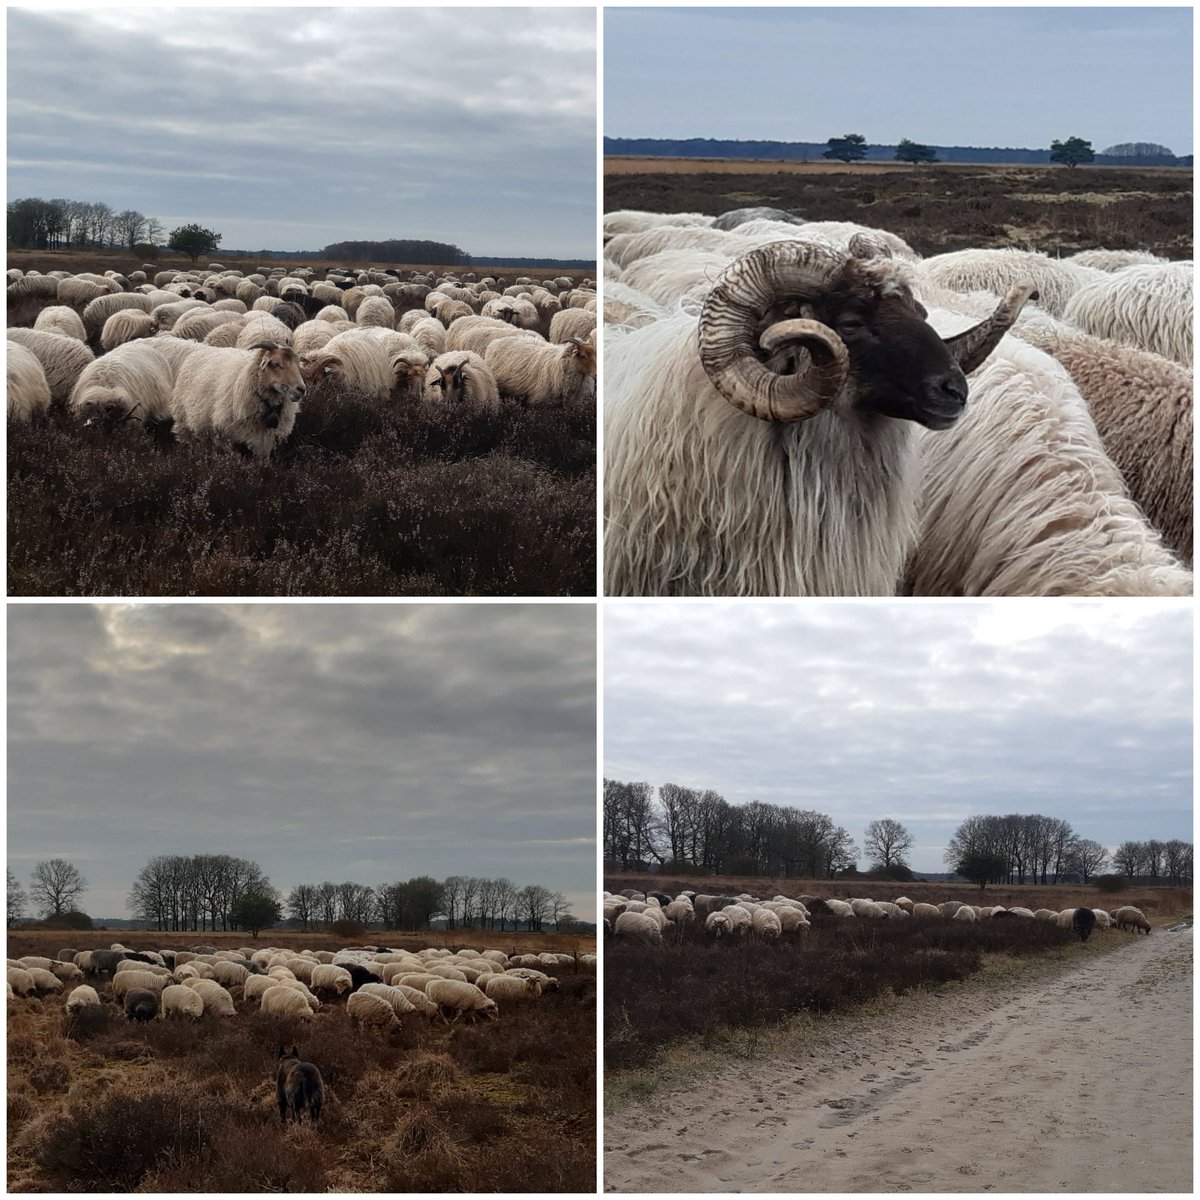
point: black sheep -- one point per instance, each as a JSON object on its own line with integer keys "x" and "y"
{"x": 1083, "y": 922}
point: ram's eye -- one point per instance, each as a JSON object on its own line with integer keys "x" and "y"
{"x": 850, "y": 325}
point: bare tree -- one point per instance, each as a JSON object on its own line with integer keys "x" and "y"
{"x": 887, "y": 844}
{"x": 559, "y": 907}
{"x": 17, "y": 899}
{"x": 1128, "y": 857}
{"x": 535, "y": 906}
{"x": 1087, "y": 858}
{"x": 56, "y": 886}
{"x": 303, "y": 904}
{"x": 128, "y": 225}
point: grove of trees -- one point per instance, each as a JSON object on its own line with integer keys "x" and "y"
{"x": 850, "y": 147}
{"x": 398, "y": 250}
{"x": 915, "y": 152}
{"x": 37, "y": 224}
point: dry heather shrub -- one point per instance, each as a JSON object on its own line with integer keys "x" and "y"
{"x": 421, "y": 1076}
{"x": 422, "y": 1156}
{"x": 89, "y": 1023}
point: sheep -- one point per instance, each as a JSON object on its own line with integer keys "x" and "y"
{"x": 63, "y": 358}
{"x": 298, "y": 1087}
{"x": 839, "y": 908}
{"x": 926, "y": 910}
{"x": 1114, "y": 260}
{"x": 462, "y": 378}
{"x": 867, "y": 908}
{"x": 949, "y": 907}
{"x": 28, "y": 389}
{"x": 127, "y": 981}
{"x": 459, "y": 998}
{"x": 367, "y": 1009}
{"x": 78, "y": 292}
{"x": 61, "y": 319}
{"x": 216, "y": 999}
{"x": 376, "y": 310}
{"x": 230, "y": 974}
{"x": 477, "y": 333}
{"x": 399, "y": 1002}
{"x": 905, "y": 903}
{"x": 511, "y": 987}
{"x": 965, "y": 913}
{"x": 284, "y": 1001}
{"x": 98, "y": 311}
{"x": 543, "y": 373}
{"x": 131, "y": 964}
{"x": 1142, "y": 406}
{"x": 1103, "y": 920}
{"x": 140, "y": 1004}
{"x": 67, "y": 972}
{"x": 1056, "y": 280}
{"x": 417, "y": 998}
{"x": 430, "y": 335}
{"x": 21, "y": 981}
{"x": 178, "y": 1000}
{"x": 330, "y": 978}
{"x": 724, "y": 477}
{"x": 82, "y": 997}
{"x": 628, "y": 220}
{"x": 195, "y": 326}
{"x": 1045, "y": 914}
{"x": 639, "y": 927}
{"x": 1130, "y": 917}
{"x": 248, "y": 396}
{"x": 766, "y": 924}
{"x": 258, "y": 327}
{"x": 294, "y": 984}
{"x": 256, "y": 985}
{"x": 627, "y": 308}
{"x": 1021, "y": 912}
{"x": 1083, "y": 921}
{"x": 1147, "y": 306}
{"x": 1021, "y": 500}
{"x": 350, "y": 363}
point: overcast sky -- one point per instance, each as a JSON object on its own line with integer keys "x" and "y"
{"x": 1018, "y": 77}
{"x": 926, "y": 712}
{"x": 291, "y": 128}
{"x": 344, "y": 742}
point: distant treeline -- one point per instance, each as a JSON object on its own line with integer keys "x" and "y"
{"x": 813, "y": 152}
{"x": 398, "y": 250}
{"x": 199, "y": 892}
{"x": 37, "y": 224}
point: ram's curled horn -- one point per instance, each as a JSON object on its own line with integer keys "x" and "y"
{"x": 972, "y": 346}
{"x": 732, "y": 316}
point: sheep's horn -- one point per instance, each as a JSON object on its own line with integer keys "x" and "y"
{"x": 972, "y": 346}
{"x": 744, "y": 293}
{"x": 827, "y": 356}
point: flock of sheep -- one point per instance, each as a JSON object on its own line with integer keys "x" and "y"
{"x": 654, "y": 918}
{"x": 380, "y": 986}
{"x": 215, "y": 354}
{"x": 750, "y": 363}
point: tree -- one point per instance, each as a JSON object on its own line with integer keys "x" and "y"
{"x": 154, "y": 230}
{"x": 1072, "y": 152}
{"x": 16, "y": 899}
{"x": 1086, "y": 858}
{"x": 302, "y": 904}
{"x": 850, "y": 147}
{"x": 128, "y": 225}
{"x": 887, "y": 844}
{"x": 1129, "y": 856}
{"x": 255, "y": 911}
{"x": 915, "y": 152}
{"x": 982, "y": 868}
{"x": 193, "y": 240}
{"x": 560, "y": 909}
{"x": 55, "y": 886}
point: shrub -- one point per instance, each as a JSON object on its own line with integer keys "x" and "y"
{"x": 348, "y": 929}
{"x": 1110, "y": 884}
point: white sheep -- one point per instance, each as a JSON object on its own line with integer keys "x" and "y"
{"x": 1056, "y": 280}
{"x": 196, "y": 325}
{"x": 1128, "y": 916}
{"x": 21, "y": 981}
{"x": 462, "y": 378}
{"x": 248, "y": 396}
{"x": 126, "y": 326}
{"x": 639, "y": 927}
{"x": 459, "y": 998}
{"x": 63, "y": 358}
{"x": 766, "y": 924}
{"x": 400, "y": 1003}
{"x": 330, "y": 978}
{"x": 965, "y": 913}
{"x": 1146, "y": 306}
{"x": 230, "y": 974}
{"x": 61, "y": 318}
{"x": 125, "y": 981}
{"x": 28, "y": 390}
{"x": 216, "y": 999}
{"x": 506, "y": 987}
{"x": 572, "y": 323}
{"x": 926, "y": 910}
{"x": 417, "y": 998}
{"x": 365, "y": 1008}
{"x": 542, "y": 373}
{"x": 840, "y": 908}
{"x": 284, "y": 1001}
{"x": 376, "y": 310}
{"x": 134, "y": 381}
{"x": 97, "y": 312}
{"x": 178, "y": 1000}
{"x": 259, "y": 327}
{"x": 82, "y": 997}
{"x": 1020, "y": 499}
{"x": 1114, "y": 260}
{"x": 430, "y": 335}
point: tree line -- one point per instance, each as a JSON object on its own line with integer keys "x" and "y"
{"x": 37, "y": 224}
{"x": 54, "y": 890}
{"x": 398, "y": 250}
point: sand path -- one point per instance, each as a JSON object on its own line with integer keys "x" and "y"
{"x": 1078, "y": 1083}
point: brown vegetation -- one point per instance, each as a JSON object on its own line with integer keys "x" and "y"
{"x": 101, "y": 1104}
{"x": 935, "y": 209}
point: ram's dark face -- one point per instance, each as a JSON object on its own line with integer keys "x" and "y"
{"x": 900, "y": 366}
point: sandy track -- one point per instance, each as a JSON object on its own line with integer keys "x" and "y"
{"x": 1079, "y": 1083}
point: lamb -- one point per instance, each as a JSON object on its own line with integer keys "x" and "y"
{"x": 367, "y": 1009}
{"x": 61, "y": 319}
{"x": 216, "y": 999}
{"x": 63, "y": 358}
{"x": 82, "y": 997}
{"x": 1149, "y": 307}
{"x": 28, "y": 389}
{"x": 639, "y": 927}
{"x": 1129, "y": 917}
{"x": 247, "y": 397}
{"x": 1021, "y": 500}
{"x": 459, "y": 998}
{"x": 298, "y": 1087}
{"x": 328, "y": 978}
{"x": 140, "y": 1004}
{"x": 178, "y": 1000}
{"x": 726, "y": 477}
{"x": 542, "y": 373}
{"x": 460, "y": 377}
{"x": 1142, "y": 406}
{"x": 284, "y": 1001}
{"x": 1056, "y": 280}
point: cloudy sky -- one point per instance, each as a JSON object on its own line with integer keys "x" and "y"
{"x": 290, "y": 128}
{"x": 924, "y": 712}
{"x": 345, "y": 742}
{"x": 944, "y": 76}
